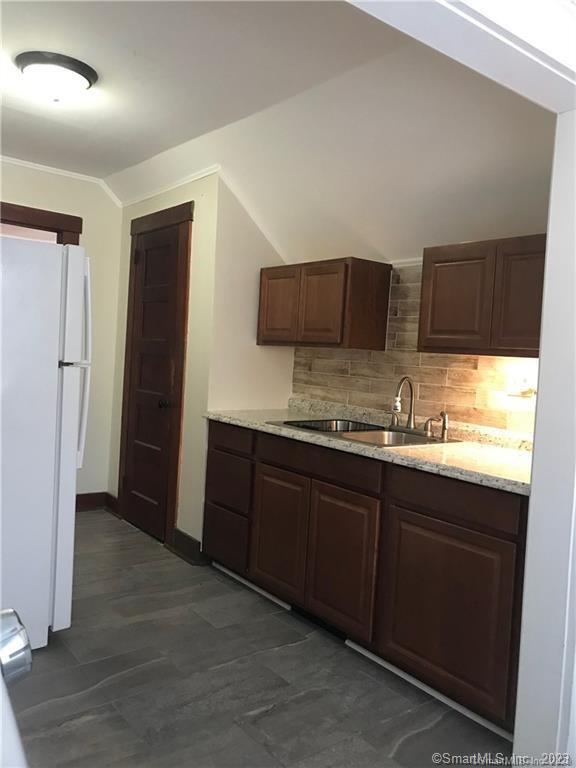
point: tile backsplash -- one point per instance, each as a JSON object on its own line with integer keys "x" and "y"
{"x": 494, "y": 392}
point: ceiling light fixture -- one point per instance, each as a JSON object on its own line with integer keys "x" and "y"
{"x": 54, "y": 75}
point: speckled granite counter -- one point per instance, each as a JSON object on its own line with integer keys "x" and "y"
{"x": 503, "y": 468}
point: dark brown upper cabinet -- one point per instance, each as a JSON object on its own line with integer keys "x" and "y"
{"x": 518, "y": 293}
{"x": 339, "y": 303}
{"x": 279, "y": 302}
{"x": 483, "y": 298}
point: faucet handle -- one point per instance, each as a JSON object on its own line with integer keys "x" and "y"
{"x": 442, "y": 419}
{"x": 445, "y": 424}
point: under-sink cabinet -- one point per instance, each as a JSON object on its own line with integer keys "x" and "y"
{"x": 422, "y": 570}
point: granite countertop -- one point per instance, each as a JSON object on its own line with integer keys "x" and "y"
{"x": 504, "y": 468}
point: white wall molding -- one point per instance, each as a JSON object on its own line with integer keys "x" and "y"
{"x": 62, "y": 172}
{"x": 179, "y": 182}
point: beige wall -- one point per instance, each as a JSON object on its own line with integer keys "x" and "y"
{"x": 101, "y": 237}
{"x": 204, "y": 193}
{"x": 243, "y": 375}
{"x": 224, "y": 367}
{"x": 479, "y": 390}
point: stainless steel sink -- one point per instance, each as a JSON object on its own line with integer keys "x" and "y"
{"x": 389, "y": 437}
{"x": 364, "y": 433}
{"x": 331, "y": 425}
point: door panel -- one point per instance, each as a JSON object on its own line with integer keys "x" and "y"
{"x": 155, "y": 359}
{"x": 322, "y": 296}
{"x": 342, "y": 558}
{"x": 518, "y": 293}
{"x": 446, "y": 607}
{"x": 280, "y": 532}
{"x": 279, "y": 297}
{"x": 456, "y": 302}
{"x": 225, "y": 537}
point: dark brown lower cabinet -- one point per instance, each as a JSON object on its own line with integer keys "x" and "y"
{"x": 342, "y": 548}
{"x": 446, "y": 607}
{"x": 225, "y": 537}
{"x": 424, "y": 570}
{"x": 280, "y": 532}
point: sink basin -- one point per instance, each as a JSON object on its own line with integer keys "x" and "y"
{"x": 332, "y": 425}
{"x": 389, "y": 437}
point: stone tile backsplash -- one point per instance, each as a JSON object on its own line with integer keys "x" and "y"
{"x": 492, "y": 392}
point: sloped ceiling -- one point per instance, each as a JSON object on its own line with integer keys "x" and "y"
{"x": 404, "y": 152}
{"x": 339, "y": 135}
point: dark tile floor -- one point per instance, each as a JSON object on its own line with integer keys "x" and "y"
{"x": 171, "y": 665}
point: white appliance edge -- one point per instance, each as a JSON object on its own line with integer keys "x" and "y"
{"x": 45, "y": 387}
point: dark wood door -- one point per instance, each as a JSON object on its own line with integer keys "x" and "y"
{"x": 322, "y": 297}
{"x": 155, "y": 349}
{"x": 518, "y": 294}
{"x": 280, "y": 532}
{"x": 279, "y": 297}
{"x": 456, "y": 302}
{"x": 446, "y": 606}
{"x": 342, "y": 550}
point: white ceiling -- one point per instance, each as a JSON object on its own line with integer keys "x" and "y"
{"x": 339, "y": 135}
{"x": 171, "y": 71}
{"x": 406, "y": 151}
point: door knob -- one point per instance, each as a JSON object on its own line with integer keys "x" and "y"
{"x": 163, "y": 403}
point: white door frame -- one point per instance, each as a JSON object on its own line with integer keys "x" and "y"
{"x": 474, "y": 34}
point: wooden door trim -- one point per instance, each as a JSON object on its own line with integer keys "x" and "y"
{"x": 68, "y": 228}
{"x": 178, "y": 214}
{"x": 150, "y": 223}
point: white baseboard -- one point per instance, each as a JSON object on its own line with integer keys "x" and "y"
{"x": 427, "y": 689}
{"x": 249, "y": 584}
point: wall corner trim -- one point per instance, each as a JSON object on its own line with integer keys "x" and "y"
{"x": 154, "y": 191}
{"x": 62, "y": 172}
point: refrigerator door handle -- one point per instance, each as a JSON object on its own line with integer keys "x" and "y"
{"x": 85, "y": 397}
{"x": 85, "y": 364}
{"x": 87, "y": 311}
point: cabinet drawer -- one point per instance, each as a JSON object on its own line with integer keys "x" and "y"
{"x": 228, "y": 437}
{"x": 229, "y": 481}
{"x": 226, "y": 537}
{"x": 456, "y": 500}
{"x": 345, "y": 469}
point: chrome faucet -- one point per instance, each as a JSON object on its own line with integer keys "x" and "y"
{"x": 397, "y": 408}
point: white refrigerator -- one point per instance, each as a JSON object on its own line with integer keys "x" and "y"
{"x": 45, "y": 336}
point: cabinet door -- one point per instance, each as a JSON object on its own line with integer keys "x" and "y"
{"x": 322, "y": 296}
{"x": 280, "y": 532}
{"x": 446, "y": 602}
{"x": 225, "y": 537}
{"x": 342, "y": 558}
{"x": 457, "y": 292}
{"x": 518, "y": 294}
{"x": 229, "y": 481}
{"x": 279, "y": 299}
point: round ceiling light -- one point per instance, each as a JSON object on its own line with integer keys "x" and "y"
{"x": 54, "y": 75}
